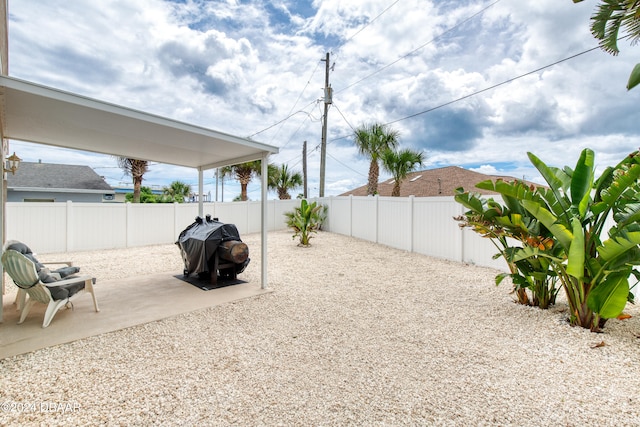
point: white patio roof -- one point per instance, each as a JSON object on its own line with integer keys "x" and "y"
{"x": 35, "y": 113}
{"x": 49, "y": 116}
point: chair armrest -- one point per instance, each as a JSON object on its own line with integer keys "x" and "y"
{"x": 67, "y": 263}
{"x": 75, "y": 279}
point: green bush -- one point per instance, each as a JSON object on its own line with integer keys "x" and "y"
{"x": 305, "y": 220}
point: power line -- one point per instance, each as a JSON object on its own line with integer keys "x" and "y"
{"x": 299, "y": 96}
{"x": 494, "y": 86}
{"x": 347, "y": 166}
{"x": 464, "y": 21}
{"x": 286, "y": 118}
{"x": 316, "y": 69}
{"x": 482, "y": 90}
{"x": 367, "y": 24}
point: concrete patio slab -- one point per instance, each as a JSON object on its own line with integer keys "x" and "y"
{"x": 123, "y": 303}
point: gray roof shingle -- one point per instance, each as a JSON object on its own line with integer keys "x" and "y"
{"x": 54, "y": 176}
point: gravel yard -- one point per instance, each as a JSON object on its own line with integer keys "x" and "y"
{"x": 354, "y": 334}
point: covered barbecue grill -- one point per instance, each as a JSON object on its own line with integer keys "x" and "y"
{"x": 210, "y": 248}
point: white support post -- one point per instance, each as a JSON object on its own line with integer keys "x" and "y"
{"x": 264, "y": 174}
{"x": 200, "y": 186}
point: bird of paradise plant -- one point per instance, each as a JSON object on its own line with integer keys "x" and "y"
{"x": 593, "y": 261}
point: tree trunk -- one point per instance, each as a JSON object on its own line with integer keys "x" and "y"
{"x": 372, "y": 184}
{"x": 137, "y": 184}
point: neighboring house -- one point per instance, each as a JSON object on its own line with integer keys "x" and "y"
{"x": 46, "y": 182}
{"x": 434, "y": 182}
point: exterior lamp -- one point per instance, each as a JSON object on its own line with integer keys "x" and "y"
{"x": 13, "y": 162}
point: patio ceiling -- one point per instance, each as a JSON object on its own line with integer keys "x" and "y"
{"x": 39, "y": 114}
{"x": 35, "y": 113}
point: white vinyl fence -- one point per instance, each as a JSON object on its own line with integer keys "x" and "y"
{"x": 416, "y": 224}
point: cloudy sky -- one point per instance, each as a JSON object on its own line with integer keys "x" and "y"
{"x": 471, "y": 83}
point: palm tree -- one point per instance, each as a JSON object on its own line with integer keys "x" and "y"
{"x": 399, "y": 164}
{"x": 282, "y": 181}
{"x": 372, "y": 140}
{"x": 243, "y": 172}
{"x": 136, "y": 169}
{"x": 177, "y": 191}
{"x": 612, "y": 16}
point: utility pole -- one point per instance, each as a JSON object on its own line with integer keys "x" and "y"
{"x": 323, "y": 145}
{"x": 304, "y": 168}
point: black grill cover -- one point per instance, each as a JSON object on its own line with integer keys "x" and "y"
{"x": 199, "y": 241}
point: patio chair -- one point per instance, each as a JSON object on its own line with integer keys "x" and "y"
{"x": 56, "y": 294}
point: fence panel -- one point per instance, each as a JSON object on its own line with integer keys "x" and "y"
{"x": 423, "y": 225}
{"x": 435, "y": 233}
{"x": 93, "y": 226}
{"x": 339, "y": 215}
{"x": 41, "y": 226}
{"x": 394, "y": 222}
{"x": 150, "y": 225}
{"x": 364, "y": 218}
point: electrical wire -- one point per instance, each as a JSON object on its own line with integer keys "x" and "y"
{"x": 286, "y": 118}
{"x": 483, "y": 90}
{"x": 494, "y": 86}
{"x": 316, "y": 69}
{"x": 464, "y": 21}
{"x": 367, "y": 24}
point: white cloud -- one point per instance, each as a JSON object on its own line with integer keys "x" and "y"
{"x": 241, "y": 67}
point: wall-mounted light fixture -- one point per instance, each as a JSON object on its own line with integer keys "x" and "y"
{"x": 13, "y": 162}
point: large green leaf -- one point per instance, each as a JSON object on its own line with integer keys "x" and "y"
{"x": 634, "y": 78}
{"x": 629, "y": 214}
{"x": 557, "y": 181}
{"x": 622, "y": 180}
{"x": 616, "y": 246}
{"x": 559, "y": 231}
{"x": 609, "y": 298}
{"x": 470, "y": 201}
{"x": 549, "y": 174}
{"x": 575, "y": 263}
{"x": 582, "y": 182}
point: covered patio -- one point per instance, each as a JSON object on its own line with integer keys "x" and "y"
{"x": 123, "y": 303}
{"x": 35, "y": 113}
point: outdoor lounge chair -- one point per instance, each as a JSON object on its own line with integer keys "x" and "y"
{"x": 56, "y": 294}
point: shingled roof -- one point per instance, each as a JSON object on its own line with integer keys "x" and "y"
{"x": 54, "y": 176}
{"x": 434, "y": 182}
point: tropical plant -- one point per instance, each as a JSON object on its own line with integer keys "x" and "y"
{"x": 592, "y": 260}
{"x": 146, "y": 196}
{"x": 534, "y": 282}
{"x": 611, "y": 16}
{"x": 244, "y": 173}
{"x": 372, "y": 140}
{"x": 282, "y": 180}
{"x": 399, "y": 164}
{"x": 135, "y": 169}
{"x": 177, "y": 192}
{"x": 305, "y": 220}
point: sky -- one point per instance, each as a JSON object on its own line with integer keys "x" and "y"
{"x": 469, "y": 83}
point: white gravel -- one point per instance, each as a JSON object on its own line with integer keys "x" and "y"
{"x": 354, "y": 334}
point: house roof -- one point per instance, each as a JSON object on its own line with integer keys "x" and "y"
{"x": 434, "y": 182}
{"x": 40, "y": 114}
{"x": 56, "y": 177}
